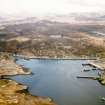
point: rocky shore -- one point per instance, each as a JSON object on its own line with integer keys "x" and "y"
{"x": 13, "y": 93}
{"x": 100, "y": 64}
{"x": 9, "y": 67}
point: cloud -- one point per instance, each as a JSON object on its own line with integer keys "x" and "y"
{"x": 87, "y": 2}
{"x": 50, "y": 6}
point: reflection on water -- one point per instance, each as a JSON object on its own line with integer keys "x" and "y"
{"x": 57, "y": 79}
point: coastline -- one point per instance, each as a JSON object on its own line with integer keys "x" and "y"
{"x": 101, "y": 66}
{"x": 92, "y": 62}
{"x": 53, "y": 58}
{"x": 97, "y": 65}
{"x": 12, "y": 92}
{"x": 19, "y": 70}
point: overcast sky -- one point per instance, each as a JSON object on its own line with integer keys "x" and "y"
{"x": 50, "y": 6}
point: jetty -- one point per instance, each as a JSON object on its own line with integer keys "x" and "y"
{"x": 85, "y": 64}
{"x": 96, "y": 65}
{"x": 86, "y": 77}
{"x": 86, "y": 70}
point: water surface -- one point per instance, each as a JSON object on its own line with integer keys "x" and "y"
{"x": 57, "y": 79}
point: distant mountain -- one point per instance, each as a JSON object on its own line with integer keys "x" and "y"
{"x": 54, "y": 24}
{"x": 76, "y": 18}
{"x": 72, "y": 18}
{"x": 13, "y": 21}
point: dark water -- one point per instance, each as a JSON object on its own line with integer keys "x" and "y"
{"x": 57, "y": 79}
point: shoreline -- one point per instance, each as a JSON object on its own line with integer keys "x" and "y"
{"x": 12, "y": 92}
{"x": 20, "y": 70}
{"x": 17, "y": 93}
{"x": 100, "y": 79}
{"x": 52, "y": 58}
{"x": 96, "y": 65}
{"x": 101, "y": 66}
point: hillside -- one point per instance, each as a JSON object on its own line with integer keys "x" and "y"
{"x": 52, "y": 38}
{"x": 71, "y": 44}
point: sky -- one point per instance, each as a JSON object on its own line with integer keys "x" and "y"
{"x": 41, "y": 7}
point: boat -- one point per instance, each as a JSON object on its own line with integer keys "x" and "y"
{"x": 86, "y": 70}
